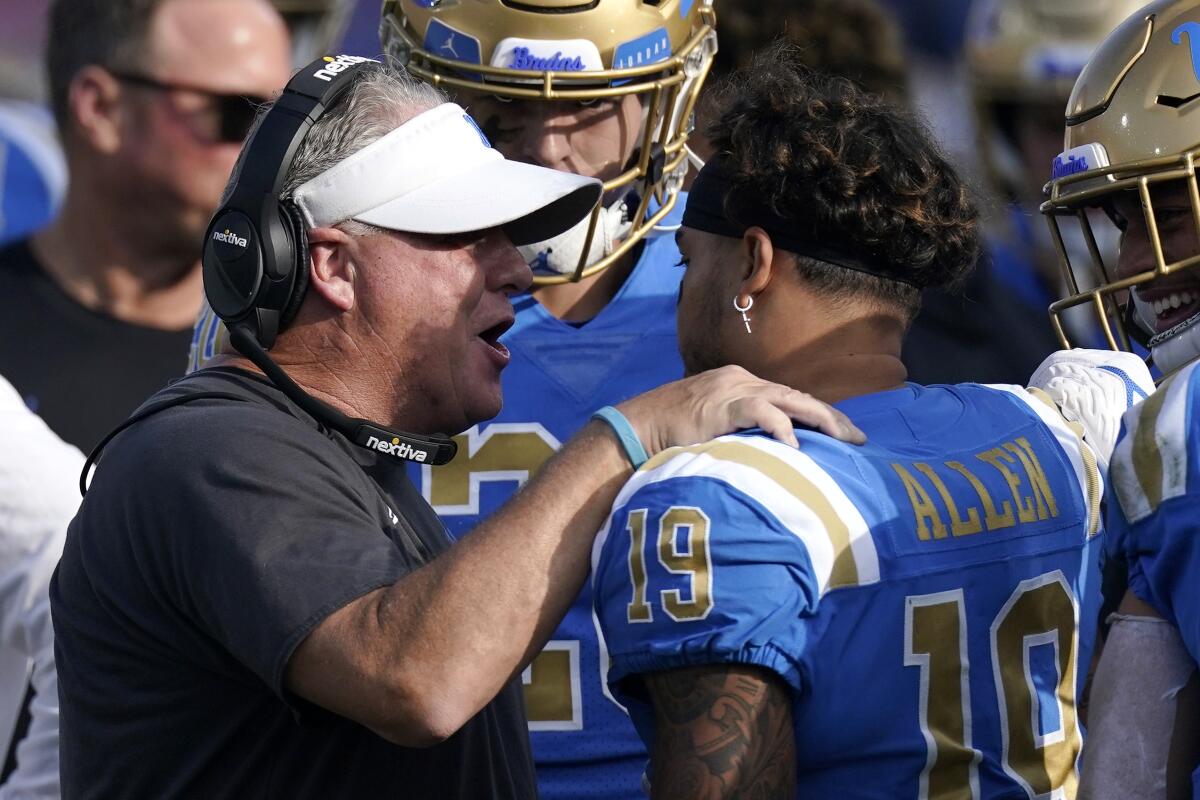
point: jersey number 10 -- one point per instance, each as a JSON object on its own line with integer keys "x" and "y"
{"x": 1040, "y": 611}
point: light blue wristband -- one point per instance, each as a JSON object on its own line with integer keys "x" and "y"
{"x": 625, "y": 434}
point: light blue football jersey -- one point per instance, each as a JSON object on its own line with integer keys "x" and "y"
{"x": 559, "y": 375}
{"x": 929, "y": 597}
{"x": 1153, "y": 513}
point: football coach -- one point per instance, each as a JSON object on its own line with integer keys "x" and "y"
{"x": 253, "y": 600}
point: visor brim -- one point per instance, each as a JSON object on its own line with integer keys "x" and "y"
{"x": 529, "y": 202}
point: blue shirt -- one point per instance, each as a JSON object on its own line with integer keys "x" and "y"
{"x": 559, "y": 375}
{"x": 928, "y": 598}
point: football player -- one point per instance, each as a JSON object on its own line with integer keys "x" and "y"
{"x": 1132, "y": 139}
{"x": 907, "y": 619}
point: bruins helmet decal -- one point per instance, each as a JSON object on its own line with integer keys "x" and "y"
{"x": 575, "y": 50}
{"x": 1132, "y": 139}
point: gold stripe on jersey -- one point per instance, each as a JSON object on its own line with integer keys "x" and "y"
{"x": 1150, "y": 462}
{"x": 1095, "y": 485}
{"x": 789, "y": 478}
{"x": 1147, "y": 461}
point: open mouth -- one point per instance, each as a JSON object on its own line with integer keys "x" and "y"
{"x": 491, "y": 337}
{"x": 1171, "y": 308}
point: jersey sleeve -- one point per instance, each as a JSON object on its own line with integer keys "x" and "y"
{"x": 1153, "y": 510}
{"x": 720, "y": 554}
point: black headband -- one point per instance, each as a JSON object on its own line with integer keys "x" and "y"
{"x": 706, "y": 211}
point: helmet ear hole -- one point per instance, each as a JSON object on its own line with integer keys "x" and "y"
{"x": 293, "y": 224}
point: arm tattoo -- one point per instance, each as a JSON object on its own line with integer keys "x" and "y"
{"x": 722, "y": 732}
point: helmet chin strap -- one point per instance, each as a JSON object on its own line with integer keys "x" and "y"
{"x": 561, "y": 255}
{"x": 1176, "y": 347}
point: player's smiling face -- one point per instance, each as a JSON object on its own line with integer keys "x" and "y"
{"x": 1165, "y": 302}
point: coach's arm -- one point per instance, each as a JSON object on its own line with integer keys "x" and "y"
{"x": 416, "y": 660}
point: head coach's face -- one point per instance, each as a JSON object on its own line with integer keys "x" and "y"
{"x": 411, "y": 220}
{"x": 424, "y": 314}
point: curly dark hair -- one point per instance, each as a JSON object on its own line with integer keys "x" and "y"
{"x": 850, "y": 171}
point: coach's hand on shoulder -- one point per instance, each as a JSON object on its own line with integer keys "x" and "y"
{"x": 727, "y": 399}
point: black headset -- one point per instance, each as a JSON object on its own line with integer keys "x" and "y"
{"x": 255, "y": 251}
{"x": 255, "y": 259}
{"x": 256, "y": 265}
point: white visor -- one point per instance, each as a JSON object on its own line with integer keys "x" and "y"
{"x": 438, "y": 174}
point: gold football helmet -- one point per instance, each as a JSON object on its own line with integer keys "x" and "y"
{"x": 1133, "y": 134}
{"x": 560, "y": 50}
{"x": 1023, "y": 53}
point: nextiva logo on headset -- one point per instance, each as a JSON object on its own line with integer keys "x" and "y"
{"x": 333, "y": 66}
{"x": 229, "y": 238}
{"x": 395, "y": 448}
{"x": 255, "y": 258}
{"x": 232, "y": 240}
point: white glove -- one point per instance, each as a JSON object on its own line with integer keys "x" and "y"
{"x": 1094, "y": 388}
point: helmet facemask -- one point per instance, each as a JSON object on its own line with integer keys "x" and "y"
{"x": 1117, "y": 302}
{"x": 667, "y": 82}
{"x": 1131, "y": 144}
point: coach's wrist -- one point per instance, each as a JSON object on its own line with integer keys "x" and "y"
{"x": 627, "y": 437}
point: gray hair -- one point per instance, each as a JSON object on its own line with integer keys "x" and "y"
{"x": 382, "y": 99}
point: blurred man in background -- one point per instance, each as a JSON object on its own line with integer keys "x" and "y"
{"x": 152, "y": 99}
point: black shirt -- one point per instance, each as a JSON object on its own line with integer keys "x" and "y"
{"x": 80, "y": 370}
{"x": 215, "y": 537}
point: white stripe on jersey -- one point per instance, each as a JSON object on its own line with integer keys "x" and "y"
{"x": 1149, "y": 464}
{"x": 866, "y": 558}
{"x": 731, "y": 460}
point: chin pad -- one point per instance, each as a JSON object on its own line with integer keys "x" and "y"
{"x": 1177, "y": 346}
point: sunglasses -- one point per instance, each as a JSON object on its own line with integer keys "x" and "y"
{"x": 235, "y": 113}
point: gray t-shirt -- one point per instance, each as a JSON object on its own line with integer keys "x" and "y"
{"x": 216, "y": 536}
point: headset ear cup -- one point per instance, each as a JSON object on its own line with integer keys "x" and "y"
{"x": 294, "y": 224}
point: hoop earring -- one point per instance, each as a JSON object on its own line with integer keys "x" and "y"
{"x": 743, "y": 309}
